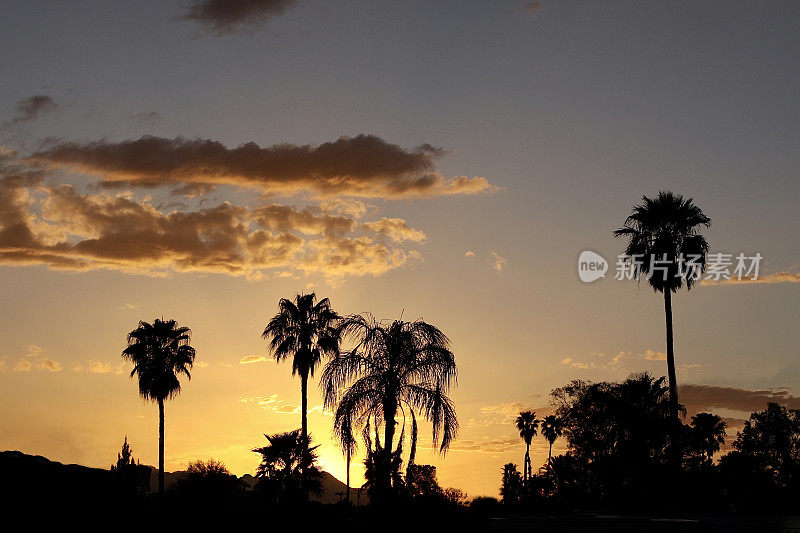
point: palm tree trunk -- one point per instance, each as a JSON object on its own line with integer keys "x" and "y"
{"x": 525, "y": 465}
{"x": 304, "y": 430}
{"x": 673, "y": 385}
{"x": 161, "y": 447}
{"x": 673, "y": 382}
{"x": 389, "y": 412}
{"x": 549, "y": 455}
{"x": 348, "y": 478}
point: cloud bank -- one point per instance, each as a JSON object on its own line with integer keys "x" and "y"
{"x": 58, "y": 226}
{"x": 362, "y": 166}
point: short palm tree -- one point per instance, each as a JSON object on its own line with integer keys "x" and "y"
{"x": 305, "y": 330}
{"x": 399, "y": 368}
{"x": 160, "y": 352}
{"x": 527, "y": 424}
{"x": 551, "y": 430}
{"x": 709, "y": 430}
{"x": 664, "y": 235}
{"x": 288, "y": 466}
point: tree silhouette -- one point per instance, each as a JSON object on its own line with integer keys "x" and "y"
{"x": 421, "y": 483}
{"x": 208, "y": 483}
{"x": 551, "y": 430}
{"x": 664, "y": 234}
{"x": 617, "y": 435}
{"x": 380, "y": 465}
{"x": 124, "y": 457}
{"x": 527, "y": 424}
{"x": 772, "y": 438}
{"x": 305, "y": 330}
{"x": 133, "y": 477}
{"x": 160, "y": 352}
{"x": 397, "y": 368}
{"x": 708, "y": 431}
{"x": 512, "y": 487}
{"x": 288, "y": 469}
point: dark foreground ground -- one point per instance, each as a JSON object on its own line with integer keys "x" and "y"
{"x": 36, "y": 493}
{"x": 636, "y": 524}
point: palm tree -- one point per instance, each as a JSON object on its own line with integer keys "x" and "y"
{"x": 709, "y": 430}
{"x": 664, "y": 234}
{"x": 288, "y": 466}
{"x": 160, "y": 352}
{"x": 304, "y": 329}
{"x": 551, "y": 430}
{"x": 527, "y": 424}
{"x": 401, "y": 368}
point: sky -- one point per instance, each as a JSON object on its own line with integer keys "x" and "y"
{"x": 443, "y": 160}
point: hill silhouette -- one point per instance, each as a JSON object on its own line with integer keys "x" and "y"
{"x": 34, "y": 478}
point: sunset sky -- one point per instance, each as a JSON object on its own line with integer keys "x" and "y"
{"x": 445, "y": 160}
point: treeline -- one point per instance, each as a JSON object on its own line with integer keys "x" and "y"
{"x": 623, "y": 454}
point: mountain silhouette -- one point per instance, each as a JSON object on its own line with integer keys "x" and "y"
{"x": 29, "y": 478}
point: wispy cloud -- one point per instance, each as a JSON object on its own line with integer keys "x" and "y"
{"x": 778, "y": 277}
{"x": 94, "y": 366}
{"x": 33, "y": 107}
{"x": 249, "y": 359}
{"x": 532, "y": 8}
{"x": 499, "y": 262}
{"x": 276, "y": 404}
{"x": 34, "y": 359}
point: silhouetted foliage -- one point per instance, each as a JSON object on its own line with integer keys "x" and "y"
{"x": 134, "y": 478}
{"x": 617, "y": 436}
{"x": 160, "y": 352}
{"x": 421, "y": 483}
{"x": 512, "y": 488}
{"x": 764, "y": 468}
{"x": 400, "y": 368}
{"x": 208, "y": 483}
{"x": 552, "y": 426}
{"x": 664, "y": 234}
{"x": 305, "y": 330}
{"x": 527, "y": 425}
{"x": 377, "y": 469}
{"x": 454, "y": 496}
{"x": 285, "y": 461}
{"x": 706, "y": 436}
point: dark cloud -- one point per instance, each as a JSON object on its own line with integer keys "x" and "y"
{"x": 363, "y": 166}
{"x": 57, "y": 226}
{"x": 232, "y": 16}
{"x": 33, "y": 107}
{"x": 698, "y": 398}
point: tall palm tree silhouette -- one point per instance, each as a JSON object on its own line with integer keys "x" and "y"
{"x": 552, "y": 426}
{"x": 401, "y": 368}
{"x": 709, "y": 430}
{"x": 306, "y": 330}
{"x": 160, "y": 352}
{"x": 527, "y": 424}
{"x": 664, "y": 233}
